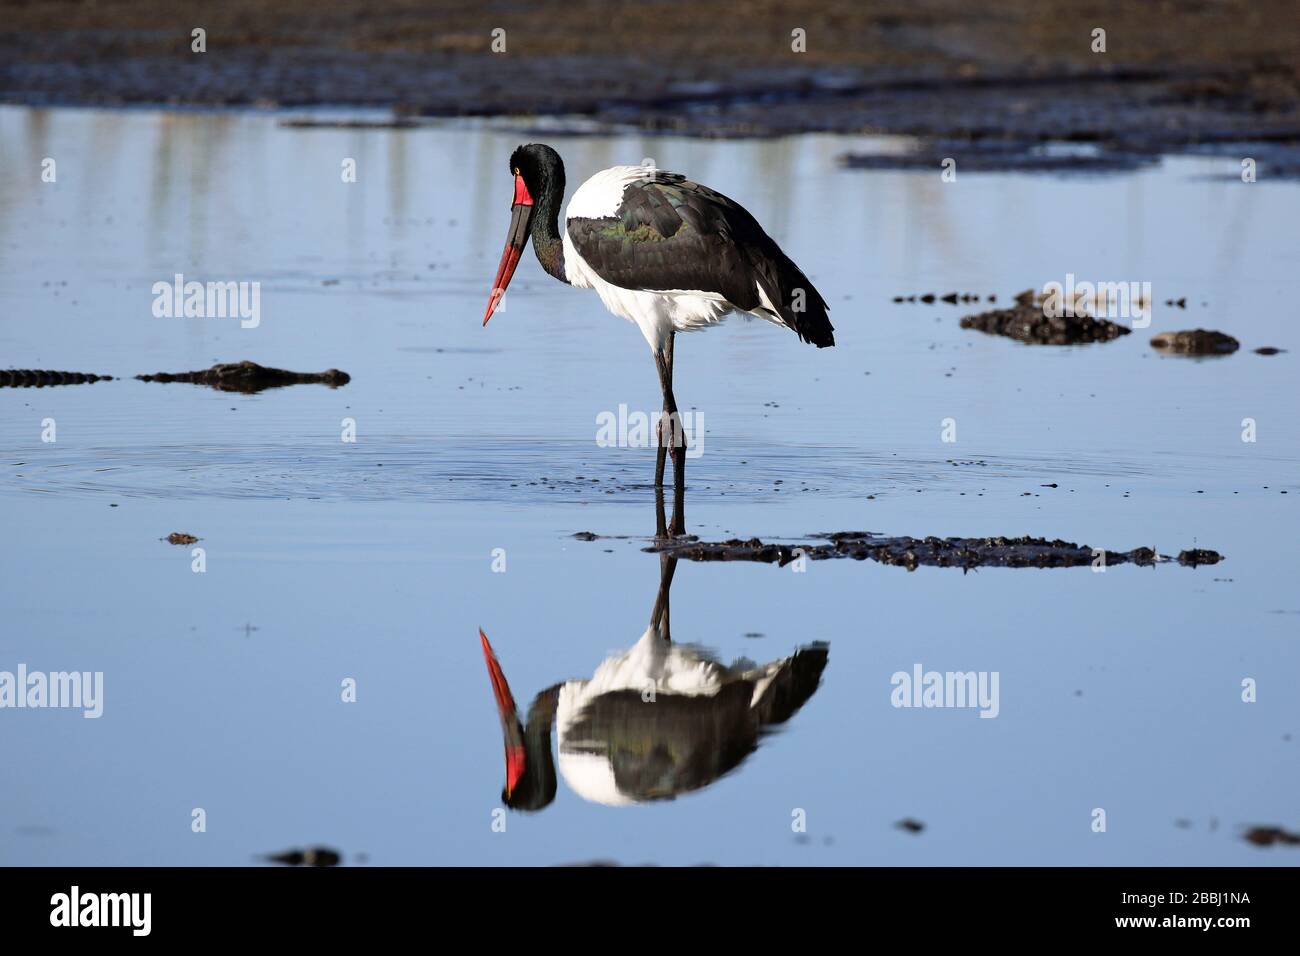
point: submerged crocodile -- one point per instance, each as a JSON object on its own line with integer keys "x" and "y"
{"x": 250, "y": 377}
{"x": 1027, "y": 322}
{"x": 40, "y": 378}
{"x": 1195, "y": 342}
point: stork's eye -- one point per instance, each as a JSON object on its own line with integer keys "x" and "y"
{"x": 517, "y": 173}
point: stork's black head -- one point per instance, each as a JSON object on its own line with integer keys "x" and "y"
{"x": 530, "y": 768}
{"x": 542, "y": 171}
{"x": 539, "y": 188}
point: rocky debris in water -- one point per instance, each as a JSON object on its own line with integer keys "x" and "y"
{"x": 311, "y": 856}
{"x": 952, "y": 298}
{"x": 1268, "y": 350}
{"x": 1195, "y": 342}
{"x": 1026, "y": 322}
{"x": 1271, "y": 836}
{"x": 180, "y": 537}
{"x": 911, "y": 553}
{"x": 910, "y": 825}
{"x": 249, "y": 377}
{"x": 592, "y": 536}
{"x": 41, "y": 378}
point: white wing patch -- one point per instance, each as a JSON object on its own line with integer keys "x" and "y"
{"x": 602, "y": 194}
{"x": 591, "y": 777}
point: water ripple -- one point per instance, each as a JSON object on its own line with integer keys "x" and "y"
{"x": 516, "y": 471}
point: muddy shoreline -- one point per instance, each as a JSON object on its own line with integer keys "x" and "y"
{"x": 991, "y": 86}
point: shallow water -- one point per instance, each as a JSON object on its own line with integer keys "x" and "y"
{"x": 374, "y": 560}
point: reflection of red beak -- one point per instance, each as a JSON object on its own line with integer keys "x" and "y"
{"x": 521, "y": 214}
{"x": 510, "y": 727}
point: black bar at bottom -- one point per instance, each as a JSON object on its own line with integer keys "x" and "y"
{"x": 304, "y": 906}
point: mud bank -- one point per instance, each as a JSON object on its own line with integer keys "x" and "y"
{"x": 911, "y": 553}
{"x": 1006, "y": 155}
{"x": 991, "y": 84}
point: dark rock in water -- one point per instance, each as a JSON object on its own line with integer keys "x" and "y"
{"x": 180, "y": 537}
{"x": 250, "y": 377}
{"x": 41, "y": 378}
{"x": 910, "y": 825}
{"x": 1195, "y": 342}
{"x": 911, "y": 553}
{"x": 312, "y": 856}
{"x": 586, "y": 536}
{"x": 1268, "y": 350}
{"x": 1271, "y": 836}
{"x": 1026, "y": 322}
{"x": 600, "y": 864}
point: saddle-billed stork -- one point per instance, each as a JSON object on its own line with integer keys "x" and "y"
{"x": 658, "y": 720}
{"x": 663, "y": 252}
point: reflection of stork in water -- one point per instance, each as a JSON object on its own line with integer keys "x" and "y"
{"x": 657, "y": 720}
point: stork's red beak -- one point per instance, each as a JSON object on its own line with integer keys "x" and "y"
{"x": 510, "y": 727}
{"x": 521, "y": 214}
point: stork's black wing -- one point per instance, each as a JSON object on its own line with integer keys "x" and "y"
{"x": 670, "y": 746}
{"x": 671, "y": 233}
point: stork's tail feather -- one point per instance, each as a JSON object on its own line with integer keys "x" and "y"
{"x": 801, "y": 306}
{"x": 814, "y": 326}
{"x": 795, "y": 682}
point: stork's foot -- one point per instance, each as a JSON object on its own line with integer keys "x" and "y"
{"x": 674, "y": 529}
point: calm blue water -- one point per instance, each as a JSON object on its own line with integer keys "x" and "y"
{"x": 373, "y": 560}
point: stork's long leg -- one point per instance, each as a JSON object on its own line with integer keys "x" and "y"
{"x": 670, "y": 422}
{"x": 678, "y": 525}
{"x": 659, "y": 614}
{"x": 661, "y": 452}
